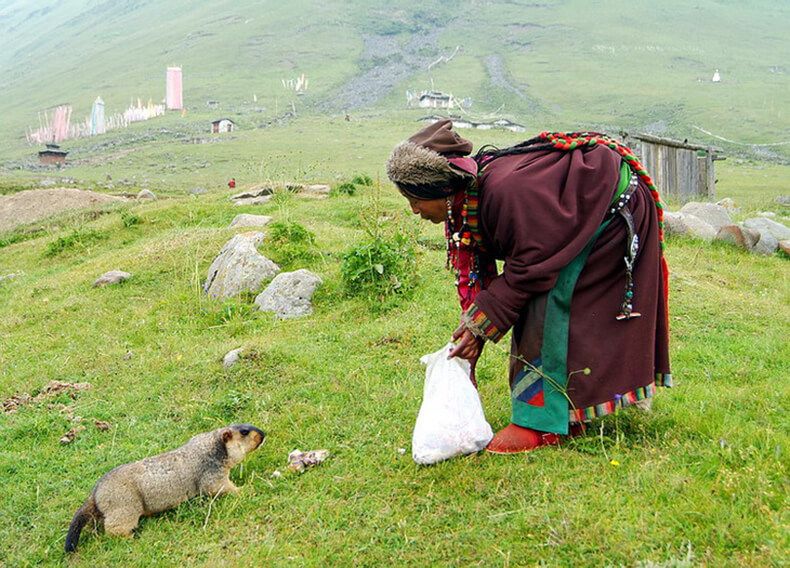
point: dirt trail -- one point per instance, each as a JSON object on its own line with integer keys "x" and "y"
{"x": 390, "y": 64}
{"x": 36, "y": 204}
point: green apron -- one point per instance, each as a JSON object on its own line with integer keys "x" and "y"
{"x": 539, "y": 392}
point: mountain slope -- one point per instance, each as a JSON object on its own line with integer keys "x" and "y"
{"x": 562, "y": 65}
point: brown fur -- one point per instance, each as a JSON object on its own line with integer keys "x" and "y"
{"x": 161, "y": 482}
{"x": 412, "y": 164}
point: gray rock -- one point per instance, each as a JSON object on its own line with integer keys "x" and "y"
{"x": 253, "y": 200}
{"x": 783, "y": 200}
{"x": 249, "y": 220}
{"x": 733, "y": 234}
{"x": 775, "y": 229}
{"x": 254, "y": 193}
{"x": 318, "y": 191}
{"x": 239, "y": 267}
{"x": 231, "y": 358}
{"x": 674, "y": 224}
{"x": 198, "y": 190}
{"x": 257, "y": 237}
{"x": 290, "y": 294}
{"x": 111, "y": 277}
{"x": 688, "y": 225}
{"x": 713, "y": 214}
{"x": 729, "y": 205}
{"x": 766, "y": 245}
{"x": 146, "y": 194}
{"x": 750, "y": 236}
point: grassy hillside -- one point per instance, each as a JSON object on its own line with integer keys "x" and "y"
{"x": 701, "y": 480}
{"x": 561, "y": 65}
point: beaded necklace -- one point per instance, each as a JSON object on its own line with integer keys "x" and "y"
{"x": 467, "y": 239}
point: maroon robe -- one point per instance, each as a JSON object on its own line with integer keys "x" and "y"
{"x": 537, "y": 212}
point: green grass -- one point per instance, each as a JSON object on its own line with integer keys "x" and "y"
{"x": 575, "y": 64}
{"x": 701, "y": 480}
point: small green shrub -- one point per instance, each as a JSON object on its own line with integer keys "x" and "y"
{"x": 130, "y": 219}
{"x": 18, "y": 235}
{"x": 78, "y": 239}
{"x": 345, "y": 188}
{"x": 362, "y": 179}
{"x": 289, "y": 241}
{"x": 380, "y": 267}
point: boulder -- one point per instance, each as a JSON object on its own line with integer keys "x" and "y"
{"x": 729, "y": 205}
{"x": 783, "y": 200}
{"x": 248, "y": 220}
{"x": 732, "y": 234}
{"x": 766, "y": 245}
{"x": 674, "y": 224}
{"x": 239, "y": 267}
{"x": 771, "y": 233}
{"x": 253, "y": 193}
{"x": 290, "y": 294}
{"x": 253, "y": 200}
{"x": 784, "y": 246}
{"x": 713, "y": 214}
{"x": 231, "y": 358}
{"x": 198, "y": 190}
{"x": 315, "y": 190}
{"x": 750, "y": 236}
{"x": 111, "y": 277}
{"x": 687, "y": 225}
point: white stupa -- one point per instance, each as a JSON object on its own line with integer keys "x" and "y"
{"x": 716, "y": 77}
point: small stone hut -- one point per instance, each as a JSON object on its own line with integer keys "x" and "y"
{"x": 435, "y": 99}
{"x": 222, "y": 125}
{"x": 682, "y": 171}
{"x": 52, "y": 155}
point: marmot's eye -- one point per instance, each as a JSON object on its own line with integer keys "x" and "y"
{"x": 245, "y": 431}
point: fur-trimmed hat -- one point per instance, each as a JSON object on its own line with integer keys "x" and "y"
{"x": 420, "y": 167}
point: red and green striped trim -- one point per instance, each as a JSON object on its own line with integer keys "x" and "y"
{"x": 480, "y": 322}
{"x": 620, "y": 401}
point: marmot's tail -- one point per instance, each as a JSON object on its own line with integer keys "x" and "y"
{"x": 85, "y": 513}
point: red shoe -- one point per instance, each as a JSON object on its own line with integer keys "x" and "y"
{"x": 515, "y": 439}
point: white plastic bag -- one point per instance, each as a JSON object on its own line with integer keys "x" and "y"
{"x": 451, "y": 421}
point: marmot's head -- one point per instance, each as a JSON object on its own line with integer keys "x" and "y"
{"x": 240, "y": 440}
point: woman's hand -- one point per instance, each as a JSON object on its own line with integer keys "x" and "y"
{"x": 467, "y": 346}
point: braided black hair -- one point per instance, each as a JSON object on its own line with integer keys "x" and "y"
{"x": 537, "y": 144}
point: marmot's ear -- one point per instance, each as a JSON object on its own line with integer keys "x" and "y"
{"x": 227, "y": 435}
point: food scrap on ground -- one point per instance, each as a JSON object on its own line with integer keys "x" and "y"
{"x": 299, "y": 460}
{"x": 69, "y": 436}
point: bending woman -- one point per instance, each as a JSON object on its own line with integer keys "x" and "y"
{"x": 578, "y": 224}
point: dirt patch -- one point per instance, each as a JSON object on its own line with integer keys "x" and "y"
{"x": 36, "y": 204}
{"x": 54, "y": 388}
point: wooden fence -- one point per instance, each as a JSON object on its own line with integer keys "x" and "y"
{"x": 682, "y": 171}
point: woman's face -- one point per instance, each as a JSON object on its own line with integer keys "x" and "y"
{"x": 433, "y": 210}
